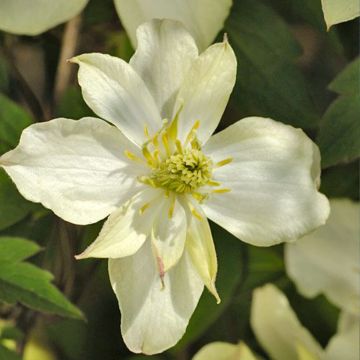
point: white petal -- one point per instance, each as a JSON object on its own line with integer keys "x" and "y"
{"x": 75, "y": 168}
{"x": 127, "y": 228}
{"x": 164, "y": 54}
{"x": 336, "y": 11}
{"x": 200, "y": 246}
{"x": 206, "y": 90}
{"x": 203, "y": 18}
{"x": 224, "y": 351}
{"x": 345, "y": 344}
{"x": 327, "y": 260}
{"x": 169, "y": 234}
{"x": 153, "y": 318}
{"x": 21, "y": 17}
{"x": 277, "y": 327}
{"x": 115, "y": 92}
{"x": 273, "y": 179}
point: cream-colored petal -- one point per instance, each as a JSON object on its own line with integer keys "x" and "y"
{"x": 203, "y": 18}
{"x": 338, "y": 11}
{"x": 327, "y": 260}
{"x": 127, "y": 228}
{"x": 277, "y": 327}
{"x": 205, "y": 91}
{"x": 273, "y": 178}
{"x": 24, "y": 17}
{"x": 200, "y": 246}
{"x": 164, "y": 54}
{"x": 224, "y": 351}
{"x": 344, "y": 345}
{"x": 169, "y": 234}
{"x": 154, "y": 317}
{"x": 75, "y": 168}
{"x": 115, "y": 92}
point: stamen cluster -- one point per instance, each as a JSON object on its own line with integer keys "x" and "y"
{"x": 183, "y": 172}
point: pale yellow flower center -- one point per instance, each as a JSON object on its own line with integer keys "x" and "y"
{"x": 178, "y": 168}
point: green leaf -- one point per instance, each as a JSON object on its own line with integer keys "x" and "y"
{"x": 268, "y": 82}
{"x": 13, "y": 207}
{"x": 336, "y": 11}
{"x": 72, "y": 105}
{"x": 14, "y": 249}
{"x": 339, "y": 138}
{"x": 13, "y": 120}
{"x": 347, "y": 82}
{"x": 6, "y": 354}
{"x": 29, "y": 285}
{"x": 229, "y": 253}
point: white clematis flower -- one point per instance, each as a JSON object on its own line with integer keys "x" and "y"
{"x": 279, "y": 331}
{"x": 224, "y": 351}
{"x": 159, "y": 175}
{"x": 327, "y": 260}
{"x": 202, "y": 18}
{"x": 24, "y": 17}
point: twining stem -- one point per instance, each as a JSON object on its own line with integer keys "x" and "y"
{"x": 22, "y": 85}
{"x": 68, "y": 48}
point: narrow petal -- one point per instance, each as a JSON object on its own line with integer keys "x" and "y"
{"x": 153, "y": 317}
{"x": 277, "y": 327}
{"x": 169, "y": 234}
{"x": 75, "y": 168}
{"x": 200, "y": 246}
{"x": 272, "y": 176}
{"x": 17, "y": 17}
{"x": 115, "y": 92}
{"x": 203, "y": 18}
{"x": 327, "y": 260}
{"x": 164, "y": 54}
{"x": 127, "y": 228}
{"x": 206, "y": 90}
{"x": 344, "y": 344}
{"x": 336, "y": 12}
{"x": 224, "y": 351}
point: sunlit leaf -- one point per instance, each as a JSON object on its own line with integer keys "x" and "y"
{"x": 15, "y": 249}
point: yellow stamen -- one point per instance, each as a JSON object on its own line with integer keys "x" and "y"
{"x": 221, "y": 191}
{"x": 223, "y": 162}
{"x": 143, "y": 208}
{"x": 178, "y": 146}
{"x": 132, "y": 156}
{"x": 192, "y": 132}
{"x": 193, "y": 211}
{"x": 213, "y": 183}
{"x": 146, "y": 131}
{"x": 148, "y": 156}
{"x": 165, "y": 141}
{"x": 172, "y": 206}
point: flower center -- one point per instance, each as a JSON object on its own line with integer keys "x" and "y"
{"x": 183, "y": 172}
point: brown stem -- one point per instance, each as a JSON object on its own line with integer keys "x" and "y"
{"x": 68, "y": 48}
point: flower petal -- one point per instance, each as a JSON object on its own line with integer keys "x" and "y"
{"x": 153, "y": 318}
{"x": 206, "y": 90}
{"x": 224, "y": 351}
{"x": 344, "y": 344}
{"x": 115, "y": 92}
{"x": 75, "y": 168}
{"x": 327, "y": 260}
{"x": 127, "y": 228}
{"x": 277, "y": 327}
{"x": 336, "y": 12}
{"x": 203, "y": 18}
{"x": 17, "y": 17}
{"x": 169, "y": 234}
{"x": 200, "y": 246}
{"x": 273, "y": 178}
{"x": 164, "y": 54}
